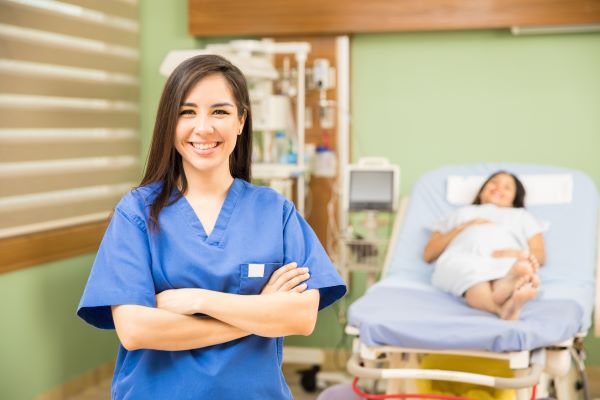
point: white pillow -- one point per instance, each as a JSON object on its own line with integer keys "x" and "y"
{"x": 540, "y": 188}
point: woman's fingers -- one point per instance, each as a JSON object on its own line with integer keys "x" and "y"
{"x": 295, "y": 281}
{"x": 282, "y": 270}
{"x": 300, "y": 288}
{"x": 284, "y": 280}
{"x": 276, "y": 278}
{"x": 287, "y": 278}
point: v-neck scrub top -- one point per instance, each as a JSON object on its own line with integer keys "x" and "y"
{"x": 256, "y": 232}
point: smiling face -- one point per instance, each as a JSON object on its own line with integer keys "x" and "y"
{"x": 207, "y": 127}
{"x": 499, "y": 190}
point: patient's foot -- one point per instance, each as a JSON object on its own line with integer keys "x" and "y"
{"x": 524, "y": 291}
{"x": 504, "y": 287}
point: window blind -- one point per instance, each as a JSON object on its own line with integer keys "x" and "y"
{"x": 69, "y": 145}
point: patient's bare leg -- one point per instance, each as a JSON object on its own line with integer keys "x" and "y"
{"x": 503, "y": 288}
{"x": 480, "y": 296}
{"x": 524, "y": 291}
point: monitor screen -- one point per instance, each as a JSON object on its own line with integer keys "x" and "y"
{"x": 371, "y": 190}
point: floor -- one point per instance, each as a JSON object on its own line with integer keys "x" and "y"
{"x": 102, "y": 392}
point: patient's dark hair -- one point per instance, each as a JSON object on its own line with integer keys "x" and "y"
{"x": 518, "y": 201}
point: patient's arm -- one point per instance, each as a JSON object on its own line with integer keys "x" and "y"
{"x": 536, "y": 247}
{"x": 439, "y": 241}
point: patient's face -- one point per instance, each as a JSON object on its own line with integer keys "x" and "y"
{"x": 500, "y": 190}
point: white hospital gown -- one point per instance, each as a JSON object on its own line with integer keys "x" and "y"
{"x": 468, "y": 258}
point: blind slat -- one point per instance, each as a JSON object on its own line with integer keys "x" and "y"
{"x": 19, "y": 118}
{"x": 31, "y": 149}
{"x": 64, "y": 103}
{"x": 53, "y": 224}
{"x": 19, "y": 84}
{"x": 15, "y": 49}
{"x": 53, "y": 180}
{"x": 67, "y": 134}
{"x": 49, "y": 71}
{"x": 126, "y": 9}
{"x": 50, "y": 39}
{"x": 61, "y": 198}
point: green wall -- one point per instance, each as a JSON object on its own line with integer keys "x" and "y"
{"x": 429, "y": 99}
{"x": 42, "y": 342}
{"x": 423, "y": 100}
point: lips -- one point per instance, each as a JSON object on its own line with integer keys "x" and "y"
{"x": 204, "y": 148}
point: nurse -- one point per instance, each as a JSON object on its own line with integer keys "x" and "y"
{"x": 200, "y": 272}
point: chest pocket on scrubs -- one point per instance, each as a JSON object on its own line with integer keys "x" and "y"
{"x": 253, "y": 277}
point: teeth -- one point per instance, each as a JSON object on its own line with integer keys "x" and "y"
{"x": 204, "y": 146}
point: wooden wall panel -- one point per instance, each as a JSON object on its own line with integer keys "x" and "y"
{"x": 320, "y": 190}
{"x": 297, "y": 17}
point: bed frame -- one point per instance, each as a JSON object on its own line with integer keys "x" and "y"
{"x": 558, "y": 369}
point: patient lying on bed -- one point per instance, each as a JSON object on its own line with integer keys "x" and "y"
{"x": 489, "y": 252}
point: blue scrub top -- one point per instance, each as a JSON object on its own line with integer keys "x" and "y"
{"x": 256, "y": 225}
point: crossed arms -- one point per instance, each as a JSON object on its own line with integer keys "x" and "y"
{"x": 283, "y": 308}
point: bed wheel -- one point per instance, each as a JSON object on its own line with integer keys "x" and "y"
{"x": 308, "y": 378}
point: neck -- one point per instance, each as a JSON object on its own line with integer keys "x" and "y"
{"x": 207, "y": 183}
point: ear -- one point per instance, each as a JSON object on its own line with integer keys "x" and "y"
{"x": 242, "y": 122}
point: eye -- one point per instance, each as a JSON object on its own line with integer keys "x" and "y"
{"x": 220, "y": 112}
{"x": 187, "y": 112}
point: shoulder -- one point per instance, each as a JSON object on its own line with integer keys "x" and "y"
{"x": 264, "y": 196}
{"x": 269, "y": 202}
{"x": 136, "y": 202}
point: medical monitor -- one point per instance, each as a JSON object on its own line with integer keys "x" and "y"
{"x": 372, "y": 185}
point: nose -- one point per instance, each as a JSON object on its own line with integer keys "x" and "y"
{"x": 202, "y": 125}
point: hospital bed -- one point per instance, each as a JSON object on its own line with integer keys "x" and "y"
{"x": 402, "y": 320}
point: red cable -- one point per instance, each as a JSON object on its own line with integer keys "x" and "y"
{"x": 533, "y": 392}
{"x": 414, "y": 396}
{"x": 401, "y": 396}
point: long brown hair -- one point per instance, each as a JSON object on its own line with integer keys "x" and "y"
{"x": 164, "y": 163}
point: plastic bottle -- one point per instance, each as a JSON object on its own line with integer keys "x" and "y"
{"x": 325, "y": 162}
{"x": 280, "y": 148}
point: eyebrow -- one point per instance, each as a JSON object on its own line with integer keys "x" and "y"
{"x": 225, "y": 104}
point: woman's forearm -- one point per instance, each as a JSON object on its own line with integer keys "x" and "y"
{"x": 438, "y": 243}
{"x": 140, "y": 327}
{"x": 271, "y": 315}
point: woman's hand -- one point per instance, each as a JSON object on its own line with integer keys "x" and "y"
{"x": 520, "y": 255}
{"x": 185, "y": 301}
{"x": 515, "y": 253}
{"x": 476, "y": 221}
{"x": 286, "y": 279}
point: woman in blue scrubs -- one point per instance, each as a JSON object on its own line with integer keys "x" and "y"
{"x": 200, "y": 272}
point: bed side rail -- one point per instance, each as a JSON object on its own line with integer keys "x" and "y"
{"x": 395, "y": 232}
{"x": 532, "y": 378}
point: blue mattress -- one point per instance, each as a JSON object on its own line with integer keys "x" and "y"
{"x": 403, "y": 309}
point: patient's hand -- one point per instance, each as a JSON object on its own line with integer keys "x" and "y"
{"x": 519, "y": 254}
{"x": 516, "y": 253}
